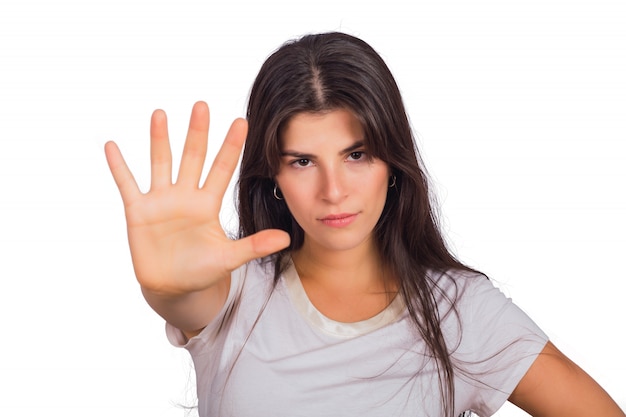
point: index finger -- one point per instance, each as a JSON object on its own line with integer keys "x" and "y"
{"x": 226, "y": 160}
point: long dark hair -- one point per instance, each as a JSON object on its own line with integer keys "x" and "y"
{"x": 322, "y": 72}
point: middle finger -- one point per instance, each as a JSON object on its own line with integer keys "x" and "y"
{"x": 195, "y": 148}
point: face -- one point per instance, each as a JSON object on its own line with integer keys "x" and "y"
{"x": 334, "y": 189}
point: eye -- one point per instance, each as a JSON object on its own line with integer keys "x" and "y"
{"x": 301, "y": 162}
{"x": 355, "y": 156}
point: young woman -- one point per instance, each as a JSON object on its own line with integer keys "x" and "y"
{"x": 339, "y": 296}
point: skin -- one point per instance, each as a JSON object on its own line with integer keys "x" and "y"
{"x": 183, "y": 259}
{"x": 555, "y": 386}
{"x": 336, "y": 192}
{"x": 181, "y": 255}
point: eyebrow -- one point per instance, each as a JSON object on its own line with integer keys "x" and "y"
{"x": 295, "y": 154}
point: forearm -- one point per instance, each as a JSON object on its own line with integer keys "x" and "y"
{"x": 189, "y": 312}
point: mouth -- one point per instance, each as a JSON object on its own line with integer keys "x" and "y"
{"x": 338, "y": 220}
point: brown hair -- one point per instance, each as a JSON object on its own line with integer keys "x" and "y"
{"x": 329, "y": 71}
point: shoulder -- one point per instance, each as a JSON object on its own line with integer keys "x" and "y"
{"x": 474, "y": 310}
{"x": 492, "y": 341}
{"x": 454, "y": 285}
{"x": 257, "y": 276}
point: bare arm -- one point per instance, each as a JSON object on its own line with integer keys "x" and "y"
{"x": 181, "y": 256}
{"x": 555, "y": 386}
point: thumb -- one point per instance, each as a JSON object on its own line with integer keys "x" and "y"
{"x": 258, "y": 245}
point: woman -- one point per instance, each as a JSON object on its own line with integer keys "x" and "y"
{"x": 340, "y": 296}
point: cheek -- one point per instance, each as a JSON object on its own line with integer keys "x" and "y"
{"x": 377, "y": 184}
{"x": 296, "y": 201}
{"x": 297, "y": 197}
{"x": 381, "y": 194}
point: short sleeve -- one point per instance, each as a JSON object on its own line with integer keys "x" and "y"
{"x": 498, "y": 344}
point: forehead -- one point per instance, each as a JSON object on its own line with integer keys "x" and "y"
{"x": 338, "y": 125}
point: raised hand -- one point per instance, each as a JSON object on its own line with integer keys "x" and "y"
{"x": 177, "y": 243}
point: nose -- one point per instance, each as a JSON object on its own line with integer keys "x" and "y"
{"x": 334, "y": 186}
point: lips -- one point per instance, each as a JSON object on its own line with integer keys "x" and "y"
{"x": 339, "y": 220}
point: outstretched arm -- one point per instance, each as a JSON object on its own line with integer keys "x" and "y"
{"x": 555, "y": 386}
{"x": 181, "y": 256}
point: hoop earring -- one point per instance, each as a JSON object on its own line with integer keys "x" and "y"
{"x": 393, "y": 181}
{"x": 276, "y": 193}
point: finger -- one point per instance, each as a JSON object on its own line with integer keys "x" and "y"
{"x": 160, "y": 152}
{"x": 255, "y": 246}
{"x": 195, "y": 148}
{"x": 121, "y": 174}
{"x": 226, "y": 160}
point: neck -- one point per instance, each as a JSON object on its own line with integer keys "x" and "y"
{"x": 355, "y": 270}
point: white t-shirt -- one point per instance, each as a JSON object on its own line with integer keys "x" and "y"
{"x": 296, "y": 362}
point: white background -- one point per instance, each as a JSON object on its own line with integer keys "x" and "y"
{"x": 519, "y": 108}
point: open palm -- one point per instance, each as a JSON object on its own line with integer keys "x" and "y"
{"x": 176, "y": 240}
